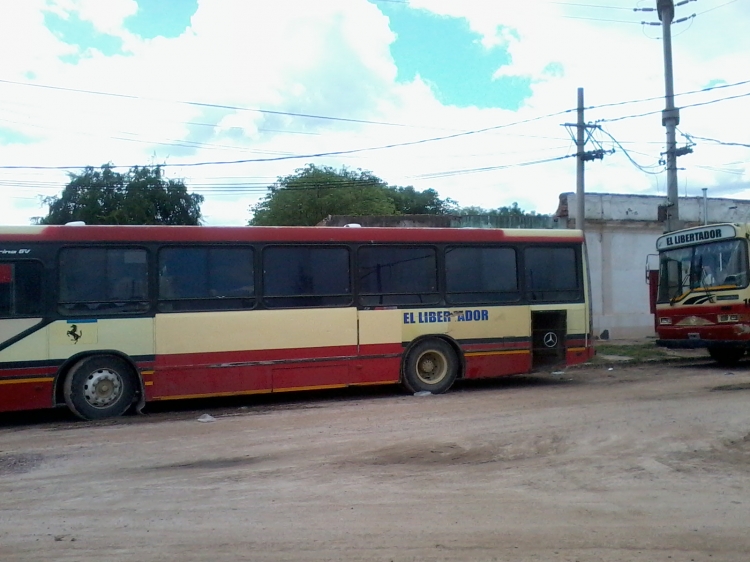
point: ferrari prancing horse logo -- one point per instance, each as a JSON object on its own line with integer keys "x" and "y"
{"x": 550, "y": 339}
{"x": 74, "y": 333}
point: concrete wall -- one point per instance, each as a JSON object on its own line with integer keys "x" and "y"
{"x": 619, "y": 292}
{"x": 640, "y": 208}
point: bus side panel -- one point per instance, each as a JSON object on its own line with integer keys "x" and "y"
{"x": 495, "y": 340}
{"x": 26, "y": 387}
{"x": 29, "y": 388}
{"x": 497, "y": 364}
{"x": 235, "y": 352}
{"x": 380, "y": 346}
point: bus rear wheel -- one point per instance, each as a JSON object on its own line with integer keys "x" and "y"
{"x": 99, "y": 387}
{"x": 727, "y": 356}
{"x": 431, "y": 365}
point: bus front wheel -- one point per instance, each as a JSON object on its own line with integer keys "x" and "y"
{"x": 726, "y": 355}
{"x": 99, "y": 387}
{"x": 431, "y": 365}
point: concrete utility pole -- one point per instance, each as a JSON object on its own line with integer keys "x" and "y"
{"x": 581, "y": 157}
{"x": 670, "y": 117}
{"x": 580, "y": 142}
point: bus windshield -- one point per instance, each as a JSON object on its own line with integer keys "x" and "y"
{"x": 716, "y": 265}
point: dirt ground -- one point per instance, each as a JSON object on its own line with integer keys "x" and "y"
{"x": 617, "y": 462}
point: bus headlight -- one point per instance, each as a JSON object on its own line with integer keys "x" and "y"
{"x": 729, "y": 318}
{"x": 665, "y": 321}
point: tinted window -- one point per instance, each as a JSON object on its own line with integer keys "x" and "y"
{"x": 552, "y": 274}
{"x": 113, "y": 280}
{"x": 391, "y": 275}
{"x": 20, "y": 289}
{"x": 206, "y": 278}
{"x": 479, "y": 274}
{"x": 300, "y": 276}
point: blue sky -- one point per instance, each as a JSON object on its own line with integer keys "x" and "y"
{"x": 468, "y": 98}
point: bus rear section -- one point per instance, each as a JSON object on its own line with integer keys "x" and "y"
{"x": 703, "y": 299}
{"x": 99, "y": 318}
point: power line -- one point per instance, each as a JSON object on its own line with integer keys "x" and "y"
{"x": 716, "y": 7}
{"x": 465, "y": 171}
{"x": 204, "y": 104}
{"x": 591, "y": 6}
{"x": 643, "y": 169}
{"x": 697, "y": 104}
{"x": 319, "y": 154}
{"x": 689, "y": 137}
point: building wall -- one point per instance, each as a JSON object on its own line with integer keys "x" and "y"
{"x": 619, "y": 292}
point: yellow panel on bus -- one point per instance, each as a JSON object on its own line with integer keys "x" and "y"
{"x": 201, "y": 332}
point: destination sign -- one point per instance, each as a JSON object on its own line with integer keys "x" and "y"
{"x": 693, "y": 236}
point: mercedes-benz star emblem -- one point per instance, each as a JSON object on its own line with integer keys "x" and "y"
{"x": 550, "y": 339}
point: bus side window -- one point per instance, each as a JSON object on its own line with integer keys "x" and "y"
{"x": 20, "y": 289}
{"x": 306, "y": 276}
{"x": 206, "y": 278}
{"x": 397, "y": 275}
{"x": 552, "y": 274}
{"x": 103, "y": 280}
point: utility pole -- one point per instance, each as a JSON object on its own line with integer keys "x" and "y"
{"x": 670, "y": 117}
{"x": 580, "y": 142}
{"x": 581, "y": 157}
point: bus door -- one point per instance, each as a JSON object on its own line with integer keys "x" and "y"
{"x": 548, "y": 337}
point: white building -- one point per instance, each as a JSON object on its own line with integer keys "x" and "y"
{"x": 621, "y": 233}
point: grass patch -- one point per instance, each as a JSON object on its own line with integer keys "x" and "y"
{"x": 634, "y": 352}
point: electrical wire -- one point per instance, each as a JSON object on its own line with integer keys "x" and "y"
{"x": 461, "y": 172}
{"x": 643, "y": 169}
{"x": 697, "y": 104}
{"x": 319, "y": 154}
{"x": 724, "y": 143}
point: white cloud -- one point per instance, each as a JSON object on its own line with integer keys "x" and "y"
{"x": 106, "y": 17}
{"x": 333, "y": 58}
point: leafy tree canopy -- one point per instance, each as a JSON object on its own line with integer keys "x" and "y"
{"x": 508, "y": 211}
{"x": 140, "y": 196}
{"x": 312, "y": 193}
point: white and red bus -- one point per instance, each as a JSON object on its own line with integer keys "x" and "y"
{"x": 703, "y": 300}
{"x": 101, "y": 318}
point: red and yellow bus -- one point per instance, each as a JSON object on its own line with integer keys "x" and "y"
{"x": 703, "y": 299}
{"x": 101, "y": 318}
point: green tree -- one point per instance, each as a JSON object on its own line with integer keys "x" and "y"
{"x": 140, "y": 196}
{"x": 508, "y": 211}
{"x": 409, "y": 201}
{"x": 312, "y": 193}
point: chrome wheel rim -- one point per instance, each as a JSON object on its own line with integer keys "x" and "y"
{"x": 102, "y": 388}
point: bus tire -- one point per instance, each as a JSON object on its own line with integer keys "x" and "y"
{"x": 431, "y": 365}
{"x": 100, "y": 387}
{"x": 726, "y": 356}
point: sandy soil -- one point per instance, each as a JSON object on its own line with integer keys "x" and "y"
{"x": 636, "y": 463}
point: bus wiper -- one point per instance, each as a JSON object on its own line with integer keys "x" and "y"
{"x": 679, "y": 296}
{"x": 705, "y": 287}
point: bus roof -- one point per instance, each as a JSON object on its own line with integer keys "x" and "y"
{"x": 77, "y": 233}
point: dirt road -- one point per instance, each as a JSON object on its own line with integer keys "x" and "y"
{"x": 638, "y": 463}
